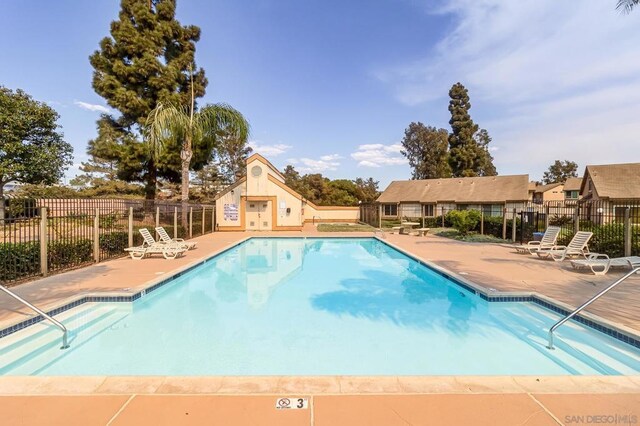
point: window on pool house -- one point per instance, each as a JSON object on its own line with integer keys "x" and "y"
{"x": 390, "y": 209}
{"x": 429, "y": 210}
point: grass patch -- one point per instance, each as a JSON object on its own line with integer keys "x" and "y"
{"x": 344, "y": 227}
{"x": 470, "y": 238}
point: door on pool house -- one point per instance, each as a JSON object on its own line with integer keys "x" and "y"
{"x": 258, "y": 215}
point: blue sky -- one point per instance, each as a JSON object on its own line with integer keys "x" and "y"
{"x": 331, "y": 85}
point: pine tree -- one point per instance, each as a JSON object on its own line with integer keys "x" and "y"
{"x": 463, "y": 152}
{"x": 230, "y": 156}
{"x": 426, "y": 149}
{"x": 147, "y": 60}
{"x": 487, "y": 168}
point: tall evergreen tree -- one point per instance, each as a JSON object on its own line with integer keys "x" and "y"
{"x": 230, "y": 156}
{"x": 426, "y": 149}
{"x": 462, "y": 146}
{"x": 468, "y": 145}
{"x": 486, "y": 164}
{"x": 147, "y": 61}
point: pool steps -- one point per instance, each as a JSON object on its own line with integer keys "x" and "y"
{"x": 29, "y": 350}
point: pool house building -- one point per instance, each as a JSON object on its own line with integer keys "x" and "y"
{"x": 434, "y": 197}
{"x": 261, "y": 201}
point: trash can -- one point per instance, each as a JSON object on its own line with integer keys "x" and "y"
{"x": 537, "y": 236}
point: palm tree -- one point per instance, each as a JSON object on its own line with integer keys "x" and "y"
{"x": 627, "y": 5}
{"x": 192, "y": 128}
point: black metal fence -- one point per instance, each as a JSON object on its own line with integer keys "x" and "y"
{"x": 615, "y": 224}
{"x": 41, "y": 236}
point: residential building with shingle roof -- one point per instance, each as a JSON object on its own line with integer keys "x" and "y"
{"x": 613, "y": 189}
{"x": 432, "y": 197}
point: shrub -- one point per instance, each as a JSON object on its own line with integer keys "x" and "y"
{"x": 63, "y": 254}
{"x": 608, "y": 239}
{"x": 19, "y": 260}
{"x": 492, "y": 226}
{"x": 464, "y": 220}
{"x": 557, "y": 220}
{"x": 114, "y": 243}
{"x": 109, "y": 220}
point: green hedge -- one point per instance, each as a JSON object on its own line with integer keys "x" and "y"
{"x": 63, "y": 255}
{"x": 114, "y": 243}
{"x": 19, "y": 260}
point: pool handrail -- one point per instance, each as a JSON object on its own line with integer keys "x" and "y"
{"x": 585, "y": 304}
{"x": 65, "y": 332}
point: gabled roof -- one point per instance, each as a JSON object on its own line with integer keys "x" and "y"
{"x": 573, "y": 184}
{"x": 619, "y": 181}
{"x": 231, "y": 187}
{"x": 547, "y": 187}
{"x": 488, "y": 189}
{"x": 257, "y": 156}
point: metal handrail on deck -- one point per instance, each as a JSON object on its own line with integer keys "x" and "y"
{"x": 584, "y": 305}
{"x": 55, "y": 322}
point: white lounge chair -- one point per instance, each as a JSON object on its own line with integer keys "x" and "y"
{"x": 150, "y": 246}
{"x": 600, "y": 263}
{"x": 548, "y": 241}
{"x": 165, "y": 238}
{"x": 577, "y": 247}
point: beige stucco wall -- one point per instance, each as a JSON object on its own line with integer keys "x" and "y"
{"x": 258, "y": 185}
{"x": 284, "y": 201}
{"x": 231, "y": 197}
{"x": 329, "y": 214}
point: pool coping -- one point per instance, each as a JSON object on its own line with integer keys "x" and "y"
{"x": 315, "y": 385}
{"x": 617, "y": 331}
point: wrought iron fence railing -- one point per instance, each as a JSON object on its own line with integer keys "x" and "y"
{"x": 38, "y": 237}
{"x": 615, "y": 223}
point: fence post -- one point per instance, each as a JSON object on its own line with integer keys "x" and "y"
{"x": 627, "y": 232}
{"x": 130, "y": 227}
{"x": 44, "y": 242}
{"x": 157, "y": 219}
{"x": 481, "y": 222}
{"x": 96, "y": 236}
{"x": 546, "y": 217}
{"x": 504, "y": 223}
{"x": 175, "y": 223}
{"x": 190, "y": 222}
{"x": 203, "y": 211}
{"x": 513, "y": 227}
{"x": 576, "y": 220}
{"x": 213, "y": 219}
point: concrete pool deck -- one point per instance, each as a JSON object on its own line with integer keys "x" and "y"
{"x": 333, "y": 400}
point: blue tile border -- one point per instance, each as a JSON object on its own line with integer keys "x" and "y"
{"x": 625, "y": 338}
{"x": 111, "y": 299}
{"x": 630, "y": 340}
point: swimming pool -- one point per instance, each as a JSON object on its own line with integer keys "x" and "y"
{"x": 295, "y": 306}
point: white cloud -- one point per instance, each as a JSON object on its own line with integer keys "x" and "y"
{"x": 563, "y": 80}
{"x": 378, "y": 155}
{"x": 92, "y": 107}
{"x": 310, "y": 165}
{"x": 331, "y": 157}
{"x": 269, "y": 150}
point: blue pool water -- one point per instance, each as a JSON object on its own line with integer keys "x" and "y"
{"x": 293, "y": 306}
